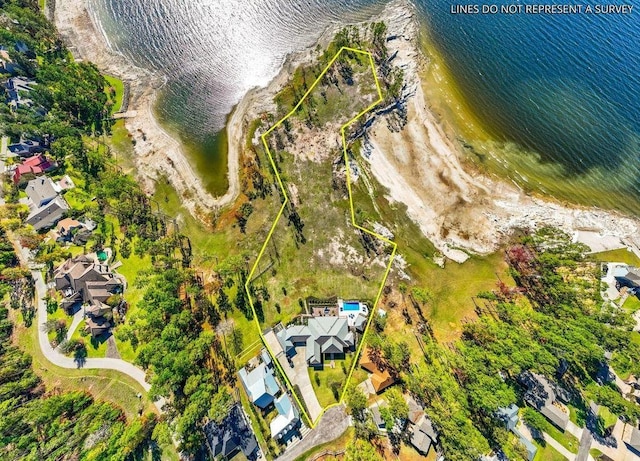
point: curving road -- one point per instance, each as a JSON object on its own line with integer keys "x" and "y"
{"x": 63, "y": 361}
{"x": 60, "y": 359}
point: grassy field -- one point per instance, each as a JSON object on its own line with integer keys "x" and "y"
{"x": 631, "y": 304}
{"x": 452, "y": 289}
{"x": 122, "y": 147}
{"x": 118, "y": 86}
{"x": 209, "y": 247}
{"x": 620, "y": 256}
{"x": 329, "y": 259}
{"x": 408, "y": 453}
{"x": 547, "y": 453}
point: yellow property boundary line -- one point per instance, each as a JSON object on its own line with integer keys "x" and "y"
{"x": 353, "y": 222}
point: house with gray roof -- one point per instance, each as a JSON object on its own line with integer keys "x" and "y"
{"x": 509, "y": 416}
{"x": 83, "y": 281}
{"x": 232, "y": 436}
{"x": 260, "y": 384}
{"x": 41, "y": 191}
{"x": 48, "y": 215}
{"x": 17, "y": 88}
{"x": 94, "y": 282}
{"x": 26, "y": 148}
{"x": 287, "y": 421}
{"x": 47, "y": 207}
{"x": 321, "y": 336}
{"x": 423, "y": 435}
{"x": 544, "y": 396}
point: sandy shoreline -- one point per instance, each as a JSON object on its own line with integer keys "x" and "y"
{"x": 458, "y": 210}
{"x": 157, "y": 153}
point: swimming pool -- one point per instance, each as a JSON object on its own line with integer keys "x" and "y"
{"x": 351, "y": 306}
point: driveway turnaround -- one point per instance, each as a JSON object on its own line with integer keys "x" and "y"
{"x": 333, "y": 423}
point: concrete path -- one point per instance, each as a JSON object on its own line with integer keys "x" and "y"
{"x": 524, "y": 430}
{"x": 333, "y": 423}
{"x": 558, "y": 447}
{"x": 575, "y": 430}
{"x": 63, "y": 361}
{"x": 77, "y": 318}
{"x": 299, "y": 375}
{"x": 585, "y": 446}
{"x": 3, "y": 147}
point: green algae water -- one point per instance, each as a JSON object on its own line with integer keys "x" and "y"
{"x": 207, "y": 151}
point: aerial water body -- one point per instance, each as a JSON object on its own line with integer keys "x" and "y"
{"x": 213, "y": 52}
{"x": 557, "y": 94}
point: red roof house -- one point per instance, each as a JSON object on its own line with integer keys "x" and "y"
{"x": 36, "y": 165}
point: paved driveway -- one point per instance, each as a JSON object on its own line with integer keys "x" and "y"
{"x": 273, "y": 344}
{"x": 333, "y": 423}
{"x": 300, "y": 375}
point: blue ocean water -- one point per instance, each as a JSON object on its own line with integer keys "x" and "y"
{"x": 563, "y": 88}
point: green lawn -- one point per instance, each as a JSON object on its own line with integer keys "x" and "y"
{"x": 118, "y": 86}
{"x": 564, "y": 438}
{"x": 621, "y": 256}
{"x": 59, "y": 314}
{"x": 631, "y": 304}
{"x": 251, "y": 342}
{"x": 595, "y": 453}
{"x": 547, "y": 453}
{"x": 96, "y": 347}
{"x": 609, "y": 419}
{"x": 330, "y": 379}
